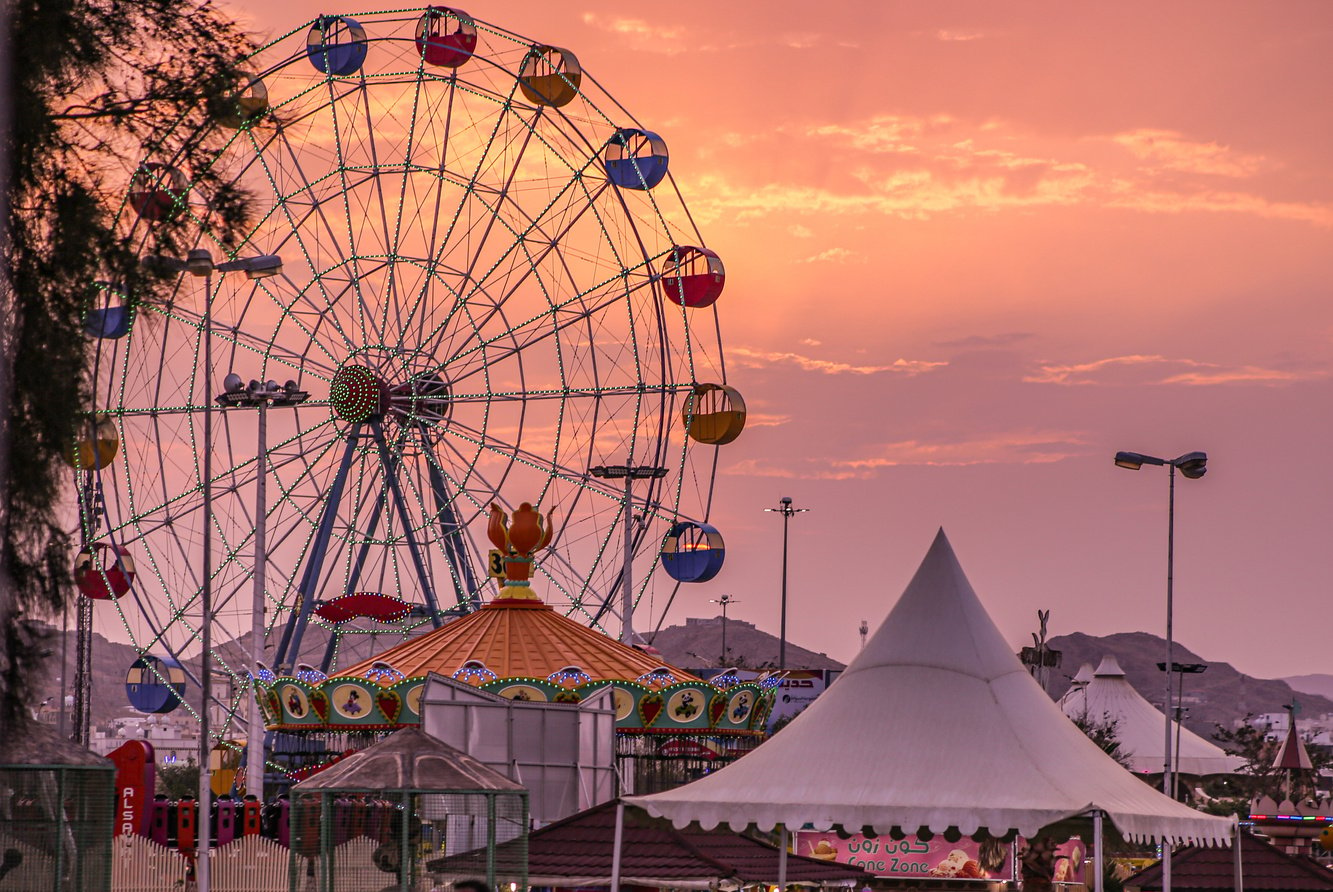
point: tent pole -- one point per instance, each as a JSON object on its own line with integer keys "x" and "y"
{"x": 1098, "y": 858}
{"x": 1240, "y": 874}
{"x": 617, "y": 845}
{"x": 782, "y": 860}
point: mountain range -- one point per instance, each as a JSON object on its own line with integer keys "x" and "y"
{"x": 1221, "y": 695}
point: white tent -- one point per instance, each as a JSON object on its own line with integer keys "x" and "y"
{"x": 934, "y": 725}
{"x": 1110, "y": 696}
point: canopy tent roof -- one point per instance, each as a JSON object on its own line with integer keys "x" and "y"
{"x": 518, "y": 639}
{"x": 37, "y": 744}
{"x": 934, "y": 725}
{"x": 1292, "y": 755}
{"x": 577, "y": 852}
{"x": 1263, "y": 869}
{"x": 410, "y": 759}
{"x": 1139, "y": 725}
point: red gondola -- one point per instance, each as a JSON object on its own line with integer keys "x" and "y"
{"x": 104, "y": 572}
{"x": 693, "y": 277}
{"x": 446, "y": 37}
{"x": 157, "y": 191}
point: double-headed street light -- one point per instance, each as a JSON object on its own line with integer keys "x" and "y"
{"x": 786, "y": 510}
{"x": 258, "y": 395}
{"x": 1192, "y": 466}
{"x": 1180, "y": 670}
{"x": 628, "y": 473}
{"x": 199, "y": 262}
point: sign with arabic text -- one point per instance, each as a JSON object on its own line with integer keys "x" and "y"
{"x": 912, "y": 857}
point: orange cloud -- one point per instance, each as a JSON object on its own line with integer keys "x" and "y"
{"x": 1038, "y": 447}
{"x": 1170, "y": 150}
{"x": 761, "y": 358}
{"x": 1140, "y": 369}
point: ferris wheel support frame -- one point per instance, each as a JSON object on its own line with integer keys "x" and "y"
{"x": 289, "y": 648}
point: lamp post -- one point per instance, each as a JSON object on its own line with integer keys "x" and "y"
{"x": 258, "y": 395}
{"x": 725, "y": 601}
{"x": 628, "y": 473}
{"x": 1181, "y": 670}
{"x": 786, "y": 510}
{"x": 1192, "y": 465}
{"x": 199, "y": 263}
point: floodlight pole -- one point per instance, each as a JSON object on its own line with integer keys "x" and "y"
{"x": 259, "y": 395}
{"x": 786, "y": 510}
{"x": 254, "y": 757}
{"x": 203, "y": 822}
{"x": 629, "y": 473}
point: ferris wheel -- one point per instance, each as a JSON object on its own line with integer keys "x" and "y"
{"x": 470, "y": 279}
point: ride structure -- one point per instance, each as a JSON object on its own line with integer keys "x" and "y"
{"x": 518, "y": 647}
{"x": 489, "y": 282}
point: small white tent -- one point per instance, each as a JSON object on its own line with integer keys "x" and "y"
{"x": 934, "y": 725}
{"x": 1110, "y": 696}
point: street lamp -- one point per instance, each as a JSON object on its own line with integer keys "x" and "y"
{"x": 1192, "y": 465}
{"x": 1181, "y": 670}
{"x": 725, "y": 601}
{"x": 786, "y": 510}
{"x": 258, "y": 395}
{"x": 199, "y": 263}
{"x": 628, "y": 473}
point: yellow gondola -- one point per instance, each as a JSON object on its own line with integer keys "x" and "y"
{"x": 714, "y": 414}
{"x": 96, "y": 446}
{"x": 550, "y": 76}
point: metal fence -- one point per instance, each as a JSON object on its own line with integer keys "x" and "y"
{"x": 56, "y": 828}
{"x": 342, "y": 841}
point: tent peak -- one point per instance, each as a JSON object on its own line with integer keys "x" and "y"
{"x": 1109, "y": 668}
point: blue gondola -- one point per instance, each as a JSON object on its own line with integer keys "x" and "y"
{"x": 145, "y": 686}
{"x": 693, "y": 552}
{"x": 336, "y": 45}
{"x": 111, "y": 320}
{"x": 635, "y": 159}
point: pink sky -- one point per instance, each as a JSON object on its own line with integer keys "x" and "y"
{"x": 973, "y": 249}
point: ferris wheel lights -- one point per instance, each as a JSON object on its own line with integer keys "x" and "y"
{"x": 309, "y": 674}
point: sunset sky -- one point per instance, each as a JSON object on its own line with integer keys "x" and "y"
{"x": 974, "y": 249}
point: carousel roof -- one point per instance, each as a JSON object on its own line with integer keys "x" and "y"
{"x": 518, "y": 639}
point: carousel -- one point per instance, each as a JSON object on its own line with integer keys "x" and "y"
{"x": 671, "y": 725}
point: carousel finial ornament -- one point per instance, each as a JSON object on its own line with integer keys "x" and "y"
{"x": 517, "y": 539}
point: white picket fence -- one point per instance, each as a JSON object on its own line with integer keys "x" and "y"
{"x": 139, "y": 864}
{"x": 249, "y": 864}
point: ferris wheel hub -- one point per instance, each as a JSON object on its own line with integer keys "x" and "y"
{"x": 359, "y": 393}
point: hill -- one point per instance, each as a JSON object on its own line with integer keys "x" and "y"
{"x": 698, "y": 645}
{"x": 1319, "y": 684}
{"x": 1221, "y": 695}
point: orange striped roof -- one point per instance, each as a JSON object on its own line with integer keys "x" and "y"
{"x": 518, "y": 638}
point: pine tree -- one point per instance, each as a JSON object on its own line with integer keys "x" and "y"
{"x": 94, "y": 88}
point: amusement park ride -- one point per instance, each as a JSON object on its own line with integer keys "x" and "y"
{"x": 490, "y": 288}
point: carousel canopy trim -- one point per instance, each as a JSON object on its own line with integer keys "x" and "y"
{"x": 934, "y": 725}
